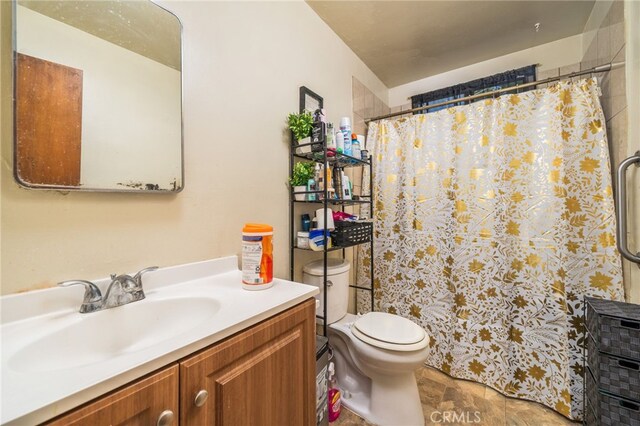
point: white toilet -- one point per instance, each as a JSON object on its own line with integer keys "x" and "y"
{"x": 376, "y": 354}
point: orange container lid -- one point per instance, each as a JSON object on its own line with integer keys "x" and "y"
{"x": 257, "y": 227}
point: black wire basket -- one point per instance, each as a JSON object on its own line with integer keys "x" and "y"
{"x": 348, "y": 233}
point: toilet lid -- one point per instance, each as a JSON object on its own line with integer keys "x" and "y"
{"x": 389, "y": 331}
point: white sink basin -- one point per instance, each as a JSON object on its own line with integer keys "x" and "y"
{"x": 54, "y": 359}
{"x": 99, "y": 336}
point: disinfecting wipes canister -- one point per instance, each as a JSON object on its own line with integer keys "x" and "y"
{"x": 257, "y": 256}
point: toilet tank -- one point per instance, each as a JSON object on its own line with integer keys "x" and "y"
{"x": 337, "y": 284}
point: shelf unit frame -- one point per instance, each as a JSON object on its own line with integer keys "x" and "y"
{"x": 343, "y": 161}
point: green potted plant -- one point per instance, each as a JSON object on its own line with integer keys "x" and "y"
{"x": 301, "y": 126}
{"x": 302, "y": 172}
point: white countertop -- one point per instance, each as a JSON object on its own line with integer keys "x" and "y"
{"x": 33, "y": 395}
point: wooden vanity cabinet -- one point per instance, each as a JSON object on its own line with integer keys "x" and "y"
{"x": 140, "y": 403}
{"x": 264, "y": 375}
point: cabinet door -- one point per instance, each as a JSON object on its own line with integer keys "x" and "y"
{"x": 140, "y": 403}
{"x": 262, "y": 376}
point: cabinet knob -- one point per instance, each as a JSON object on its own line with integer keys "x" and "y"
{"x": 201, "y": 398}
{"x": 166, "y": 418}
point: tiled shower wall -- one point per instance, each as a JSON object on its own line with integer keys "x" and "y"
{"x": 608, "y": 45}
{"x": 365, "y": 105}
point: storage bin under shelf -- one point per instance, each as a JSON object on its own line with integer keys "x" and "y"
{"x": 615, "y": 375}
{"x": 610, "y": 410}
{"x": 612, "y": 373}
{"x": 614, "y": 326}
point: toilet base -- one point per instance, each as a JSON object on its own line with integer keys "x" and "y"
{"x": 392, "y": 402}
{"x": 355, "y": 387}
{"x": 381, "y": 399}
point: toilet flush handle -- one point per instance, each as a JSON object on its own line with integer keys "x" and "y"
{"x": 329, "y": 283}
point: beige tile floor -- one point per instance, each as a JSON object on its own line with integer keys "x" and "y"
{"x": 441, "y": 393}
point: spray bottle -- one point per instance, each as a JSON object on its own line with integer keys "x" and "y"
{"x": 345, "y": 128}
{"x": 333, "y": 397}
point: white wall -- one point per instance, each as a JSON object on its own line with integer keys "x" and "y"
{"x": 566, "y": 51}
{"x": 130, "y": 104}
{"x": 243, "y": 64}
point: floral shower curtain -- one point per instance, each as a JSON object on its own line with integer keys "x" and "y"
{"x": 492, "y": 221}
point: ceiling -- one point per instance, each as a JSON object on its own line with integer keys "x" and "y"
{"x": 140, "y": 26}
{"x": 404, "y": 41}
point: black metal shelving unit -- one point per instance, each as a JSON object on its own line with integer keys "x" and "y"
{"x": 342, "y": 161}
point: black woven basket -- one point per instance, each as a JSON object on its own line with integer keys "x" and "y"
{"x": 615, "y": 375}
{"x": 615, "y": 326}
{"x": 608, "y": 409}
{"x": 351, "y": 233}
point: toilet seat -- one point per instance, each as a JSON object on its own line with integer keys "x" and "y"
{"x": 391, "y": 332}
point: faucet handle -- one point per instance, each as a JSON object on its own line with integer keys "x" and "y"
{"x": 92, "y": 295}
{"x": 138, "y": 277}
{"x": 91, "y": 291}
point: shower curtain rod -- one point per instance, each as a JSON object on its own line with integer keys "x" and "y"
{"x": 601, "y": 68}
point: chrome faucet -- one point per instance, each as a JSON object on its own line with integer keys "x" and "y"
{"x": 122, "y": 290}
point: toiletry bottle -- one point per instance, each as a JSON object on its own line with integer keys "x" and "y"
{"x": 339, "y": 141}
{"x": 302, "y": 240}
{"x": 330, "y": 191}
{"x": 364, "y": 154}
{"x": 347, "y": 145}
{"x": 305, "y": 221}
{"x": 345, "y": 128}
{"x": 337, "y": 182}
{"x": 331, "y": 138}
{"x": 346, "y": 187}
{"x": 333, "y": 396}
{"x": 355, "y": 146}
{"x": 318, "y": 131}
{"x": 319, "y": 115}
{"x": 311, "y": 186}
{"x": 318, "y": 135}
{"x": 320, "y": 180}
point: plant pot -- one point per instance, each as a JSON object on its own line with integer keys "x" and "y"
{"x": 299, "y": 197}
{"x": 304, "y": 149}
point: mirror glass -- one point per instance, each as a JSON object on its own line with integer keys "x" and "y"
{"x": 98, "y": 96}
